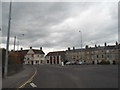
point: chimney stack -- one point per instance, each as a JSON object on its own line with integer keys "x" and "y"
{"x": 86, "y": 46}
{"x": 30, "y": 47}
{"x": 116, "y": 43}
{"x": 95, "y": 46}
{"x": 41, "y": 48}
{"x": 68, "y": 48}
{"x": 105, "y": 44}
{"x": 73, "y": 48}
{"x": 21, "y": 49}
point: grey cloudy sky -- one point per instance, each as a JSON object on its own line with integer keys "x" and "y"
{"x": 55, "y": 25}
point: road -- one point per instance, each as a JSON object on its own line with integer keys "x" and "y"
{"x": 81, "y": 76}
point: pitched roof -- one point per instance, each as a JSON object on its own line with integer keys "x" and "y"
{"x": 56, "y": 53}
{"x": 95, "y": 48}
{"x": 38, "y": 51}
{"x": 30, "y": 52}
{"x": 35, "y": 50}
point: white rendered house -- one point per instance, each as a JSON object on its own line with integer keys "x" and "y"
{"x": 34, "y": 56}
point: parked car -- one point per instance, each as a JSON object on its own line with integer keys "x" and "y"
{"x": 78, "y": 63}
{"x": 74, "y": 63}
{"x": 68, "y": 63}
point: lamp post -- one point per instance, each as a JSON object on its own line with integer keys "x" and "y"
{"x": 14, "y": 42}
{"x": 81, "y": 43}
{"x": 7, "y": 45}
{"x": 18, "y": 42}
{"x": 16, "y": 37}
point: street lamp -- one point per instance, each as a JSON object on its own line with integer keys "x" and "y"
{"x": 14, "y": 42}
{"x": 18, "y": 42}
{"x": 16, "y": 37}
{"x": 81, "y": 43}
{"x": 7, "y": 45}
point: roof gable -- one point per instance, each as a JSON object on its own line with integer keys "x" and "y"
{"x": 30, "y": 52}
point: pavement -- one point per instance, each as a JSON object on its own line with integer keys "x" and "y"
{"x": 18, "y": 79}
{"x": 75, "y": 76}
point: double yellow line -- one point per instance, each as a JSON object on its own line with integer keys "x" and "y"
{"x": 29, "y": 80}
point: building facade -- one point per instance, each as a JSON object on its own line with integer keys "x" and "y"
{"x": 55, "y": 57}
{"x": 34, "y": 56}
{"x": 95, "y": 55}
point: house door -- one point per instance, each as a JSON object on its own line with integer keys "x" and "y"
{"x": 93, "y": 62}
{"x": 32, "y": 62}
{"x": 114, "y": 62}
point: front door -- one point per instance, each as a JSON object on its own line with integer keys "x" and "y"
{"x": 32, "y": 62}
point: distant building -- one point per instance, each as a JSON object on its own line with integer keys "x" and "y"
{"x": 34, "y": 56}
{"x": 55, "y": 57}
{"x": 95, "y": 55}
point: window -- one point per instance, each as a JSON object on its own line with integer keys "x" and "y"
{"x": 77, "y": 56}
{"x": 107, "y": 51}
{"x": 32, "y": 55}
{"x": 50, "y": 59}
{"x": 41, "y": 61}
{"x": 97, "y": 56}
{"x": 102, "y": 56}
{"x": 47, "y": 61}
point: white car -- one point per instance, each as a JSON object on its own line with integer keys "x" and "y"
{"x": 68, "y": 63}
{"x": 79, "y": 63}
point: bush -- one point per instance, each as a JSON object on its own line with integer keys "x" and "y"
{"x": 104, "y": 62}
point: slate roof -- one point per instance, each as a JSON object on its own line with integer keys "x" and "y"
{"x": 38, "y": 51}
{"x": 35, "y": 50}
{"x": 56, "y": 53}
{"x": 95, "y": 48}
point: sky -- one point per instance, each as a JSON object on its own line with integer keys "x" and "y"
{"x": 55, "y": 26}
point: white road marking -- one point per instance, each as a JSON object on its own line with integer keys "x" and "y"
{"x": 33, "y": 85}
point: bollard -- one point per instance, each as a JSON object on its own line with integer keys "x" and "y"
{"x": 62, "y": 63}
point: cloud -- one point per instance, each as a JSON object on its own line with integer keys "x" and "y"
{"x": 56, "y": 25}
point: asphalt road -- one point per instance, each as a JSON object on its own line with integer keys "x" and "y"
{"x": 81, "y": 76}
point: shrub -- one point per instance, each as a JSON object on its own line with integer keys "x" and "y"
{"x": 104, "y": 62}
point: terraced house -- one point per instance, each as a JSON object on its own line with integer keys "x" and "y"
{"x": 95, "y": 55}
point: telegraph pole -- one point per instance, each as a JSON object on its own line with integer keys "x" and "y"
{"x": 7, "y": 45}
{"x": 17, "y": 45}
{"x": 14, "y": 42}
{"x": 81, "y": 43}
